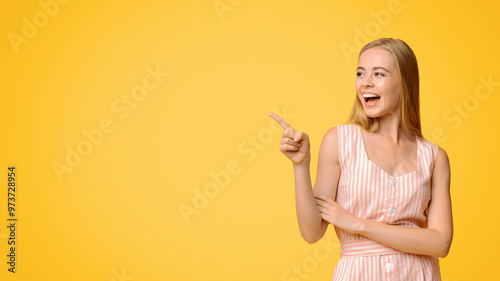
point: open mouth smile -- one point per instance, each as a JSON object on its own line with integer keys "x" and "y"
{"x": 368, "y": 97}
{"x": 371, "y": 99}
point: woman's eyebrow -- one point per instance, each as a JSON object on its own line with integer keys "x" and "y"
{"x": 374, "y": 68}
{"x": 381, "y": 67}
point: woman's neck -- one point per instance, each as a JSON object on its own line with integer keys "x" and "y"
{"x": 390, "y": 126}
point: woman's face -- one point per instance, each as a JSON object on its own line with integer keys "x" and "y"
{"x": 377, "y": 83}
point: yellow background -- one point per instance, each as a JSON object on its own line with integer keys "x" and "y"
{"x": 117, "y": 214}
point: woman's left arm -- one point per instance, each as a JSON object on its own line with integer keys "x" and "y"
{"x": 435, "y": 240}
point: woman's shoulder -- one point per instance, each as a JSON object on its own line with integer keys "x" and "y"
{"x": 437, "y": 156}
{"x": 344, "y": 128}
{"x": 429, "y": 145}
{"x": 341, "y": 135}
{"x": 435, "y": 151}
{"x": 344, "y": 131}
{"x": 337, "y": 131}
{"x": 334, "y": 135}
{"x": 341, "y": 139}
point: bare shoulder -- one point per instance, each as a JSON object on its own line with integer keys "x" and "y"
{"x": 329, "y": 145}
{"x": 442, "y": 159}
{"x": 441, "y": 174}
{"x": 331, "y": 137}
{"x": 332, "y": 133}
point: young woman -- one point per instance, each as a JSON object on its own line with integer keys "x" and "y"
{"x": 383, "y": 186}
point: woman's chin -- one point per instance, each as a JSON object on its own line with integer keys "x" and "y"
{"x": 372, "y": 113}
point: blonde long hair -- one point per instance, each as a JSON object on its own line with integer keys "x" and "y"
{"x": 406, "y": 64}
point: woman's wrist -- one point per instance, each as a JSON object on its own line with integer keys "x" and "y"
{"x": 360, "y": 226}
{"x": 302, "y": 166}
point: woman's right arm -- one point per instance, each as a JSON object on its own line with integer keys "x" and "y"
{"x": 295, "y": 145}
{"x": 312, "y": 226}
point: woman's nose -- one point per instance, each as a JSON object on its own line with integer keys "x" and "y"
{"x": 367, "y": 82}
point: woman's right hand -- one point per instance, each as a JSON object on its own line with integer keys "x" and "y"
{"x": 295, "y": 145}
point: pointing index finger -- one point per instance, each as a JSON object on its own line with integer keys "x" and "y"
{"x": 280, "y": 120}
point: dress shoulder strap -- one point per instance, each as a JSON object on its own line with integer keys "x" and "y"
{"x": 428, "y": 154}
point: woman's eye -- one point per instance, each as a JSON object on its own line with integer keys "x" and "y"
{"x": 379, "y": 74}
{"x": 359, "y": 74}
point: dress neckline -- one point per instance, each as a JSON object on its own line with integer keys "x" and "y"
{"x": 378, "y": 167}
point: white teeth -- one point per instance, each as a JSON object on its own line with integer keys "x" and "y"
{"x": 370, "y": 96}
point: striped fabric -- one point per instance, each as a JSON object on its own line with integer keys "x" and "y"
{"x": 369, "y": 192}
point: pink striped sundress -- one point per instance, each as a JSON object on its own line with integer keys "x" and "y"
{"x": 369, "y": 192}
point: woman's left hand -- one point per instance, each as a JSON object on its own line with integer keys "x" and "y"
{"x": 336, "y": 215}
